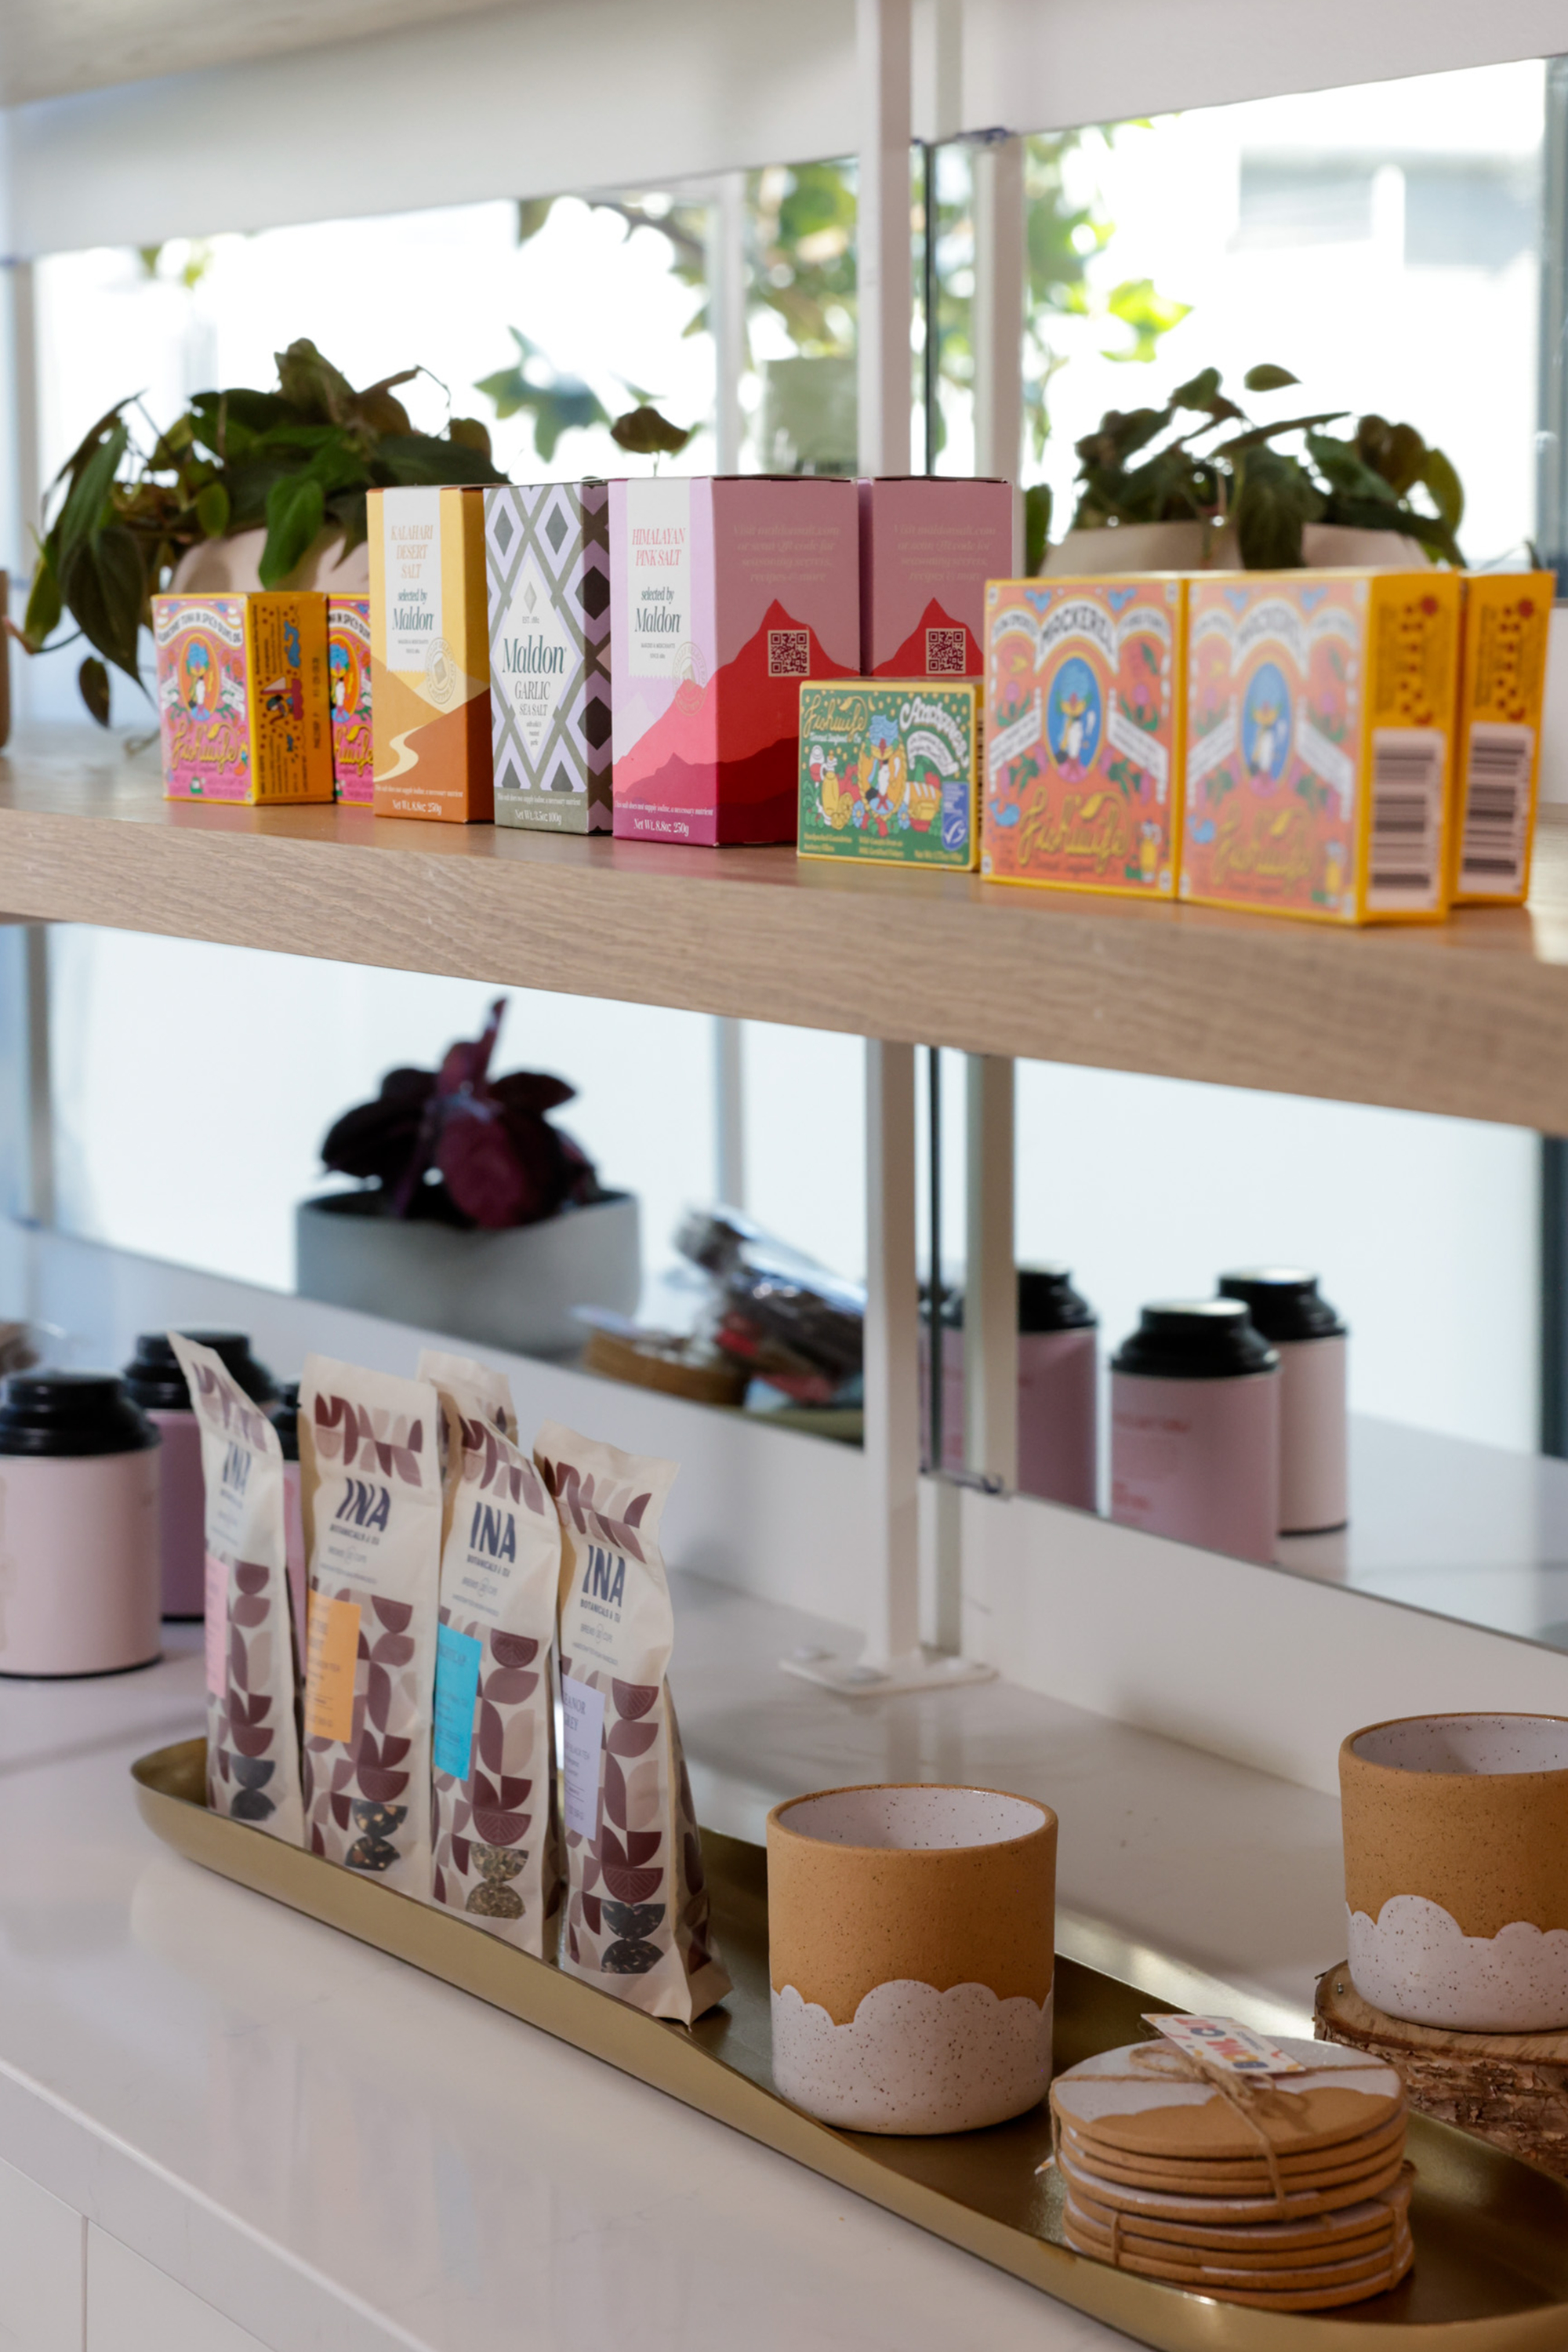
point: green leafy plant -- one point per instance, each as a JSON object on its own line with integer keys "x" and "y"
{"x": 1163, "y": 465}
{"x": 295, "y": 462}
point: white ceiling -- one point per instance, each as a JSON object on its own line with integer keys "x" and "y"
{"x": 52, "y": 49}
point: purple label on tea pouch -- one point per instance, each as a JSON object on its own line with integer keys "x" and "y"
{"x": 458, "y": 1658}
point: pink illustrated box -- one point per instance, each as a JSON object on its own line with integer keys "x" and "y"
{"x": 348, "y": 671}
{"x": 725, "y": 593}
{"x": 927, "y": 545}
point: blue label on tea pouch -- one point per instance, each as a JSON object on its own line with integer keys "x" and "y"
{"x": 458, "y": 1658}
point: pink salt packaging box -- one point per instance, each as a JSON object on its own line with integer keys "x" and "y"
{"x": 928, "y": 546}
{"x": 725, "y": 593}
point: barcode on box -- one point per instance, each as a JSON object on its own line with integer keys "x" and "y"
{"x": 1405, "y": 847}
{"x": 1497, "y": 809}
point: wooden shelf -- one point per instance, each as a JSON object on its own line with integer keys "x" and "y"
{"x": 1469, "y": 1018}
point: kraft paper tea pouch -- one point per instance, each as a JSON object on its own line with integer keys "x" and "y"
{"x": 477, "y": 1391}
{"x": 636, "y": 1916}
{"x": 496, "y": 1837}
{"x": 253, "y": 1731}
{"x": 371, "y": 1490}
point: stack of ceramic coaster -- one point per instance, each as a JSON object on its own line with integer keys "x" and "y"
{"x": 1289, "y": 2192}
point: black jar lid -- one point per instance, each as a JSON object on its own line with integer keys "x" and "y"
{"x": 1283, "y": 1302}
{"x": 154, "y": 1380}
{"x": 1195, "y": 1339}
{"x": 1047, "y": 1302}
{"x": 285, "y": 1418}
{"x": 71, "y": 1414}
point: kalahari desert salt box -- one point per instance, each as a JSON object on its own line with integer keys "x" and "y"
{"x": 429, "y": 654}
{"x": 1083, "y": 695}
{"x": 724, "y": 595}
{"x": 547, "y": 560}
{"x": 929, "y": 544}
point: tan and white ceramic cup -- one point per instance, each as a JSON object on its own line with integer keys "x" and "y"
{"x": 911, "y": 1935}
{"x": 1455, "y": 1830}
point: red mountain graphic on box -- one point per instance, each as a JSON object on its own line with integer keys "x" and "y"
{"x": 913, "y": 658}
{"x": 721, "y": 763}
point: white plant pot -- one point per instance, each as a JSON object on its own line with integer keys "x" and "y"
{"x": 230, "y": 565}
{"x": 513, "y": 1289}
{"x": 1189, "y": 547}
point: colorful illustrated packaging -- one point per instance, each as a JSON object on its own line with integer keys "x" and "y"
{"x": 430, "y": 654}
{"x": 348, "y": 671}
{"x": 495, "y": 1830}
{"x": 1083, "y": 695}
{"x": 889, "y": 769}
{"x": 1319, "y": 732}
{"x": 242, "y": 696}
{"x": 636, "y": 1914}
{"x": 1496, "y": 755}
{"x": 253, "y": 1730}
{"x": 929, "y": 544}
{"x": 370, "y": 1461}
{"x": 547, "y": 555}
{"x": 724, "y": 595}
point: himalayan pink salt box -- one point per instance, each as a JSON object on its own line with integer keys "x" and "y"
{"x": 725, "y": 593}
{"x": 927, "y": 545}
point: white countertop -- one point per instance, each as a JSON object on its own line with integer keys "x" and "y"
{"x": 338, "y": 2152}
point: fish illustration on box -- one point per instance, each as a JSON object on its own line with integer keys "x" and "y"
{"x": 889, "y": 770}
{"x": 348, "y": 672}
{"x": 242, "y": 696}
{"x": 1083, "y": 690}
{"x": 1318, "y": 741}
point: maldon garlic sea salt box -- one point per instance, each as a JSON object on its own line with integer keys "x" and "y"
{"x": 348, "y": 671}
{"x": 1318, "y": 742}
{"x": 1083, "y": 698}
{"x": 929, "y": 544}
{"x": 429, "y": 654}
{"x": 725, "y": 593}
{"x": 242, "y": 696}
{"x": 888, "y": 770}
{"x": 547, "y": 557}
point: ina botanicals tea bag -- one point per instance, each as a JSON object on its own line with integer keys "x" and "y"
{"x": 253, "y": 1732}
{"x": 497, "y": 1855}
{"x": 637, "y": 1917}
{"x": 475, "y": 1390}
{"x": 371, "y": 1489}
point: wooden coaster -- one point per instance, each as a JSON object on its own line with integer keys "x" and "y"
{"x": 1378, "y": 2217}
{"x": 1373, "y": 2274}
{"x": 1210, "y": 2176}
{"x": 1263, "y": 2268}
{"x": 1171, "y": 2205}
{"x": 1139, "y": 2099}
{"x": 1509, "y": 2089}
{"x": 1320, "y": 2291}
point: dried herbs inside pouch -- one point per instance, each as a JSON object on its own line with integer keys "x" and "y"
{"x": 496, "y": 1849}
{"x": 636, "y": 1916}
{"x": 371, "y": 1491}
{"x": 253, "y": 1731}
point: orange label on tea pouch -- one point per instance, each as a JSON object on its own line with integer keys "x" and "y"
{"x": 216, "y": 1601}
{"x": 331, "y": 1650}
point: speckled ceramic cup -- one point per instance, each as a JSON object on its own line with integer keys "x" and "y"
{"x": 911, "y": 1936}
{"x": 1456, "y": 1832}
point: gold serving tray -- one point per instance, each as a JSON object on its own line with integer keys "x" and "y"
{"x": 1492, "y": 2233}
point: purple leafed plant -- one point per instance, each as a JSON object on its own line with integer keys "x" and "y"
{"x": 459, "y": 1146}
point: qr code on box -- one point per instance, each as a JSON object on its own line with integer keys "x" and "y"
{"x": 789, "y": 652}
{"x": 945, "y": 651}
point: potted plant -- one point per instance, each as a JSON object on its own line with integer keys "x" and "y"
{"x": 473, "y": 1215}
{"x": 246, "y": 490}
{"x": 1158, "y": 491}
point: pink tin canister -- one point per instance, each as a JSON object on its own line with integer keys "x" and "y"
{"x": 1058, "y": 1411}
{"x": 79, "y": 1527}
{"x": 154, "y": 1381}
{"x": 1195, "y": 1428}
{"x": 1310, "y": 1342}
